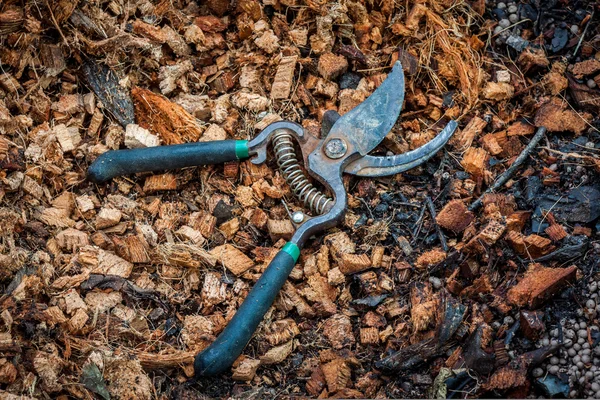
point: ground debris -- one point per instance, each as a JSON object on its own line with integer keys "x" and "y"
{"x": 446, "y": 280}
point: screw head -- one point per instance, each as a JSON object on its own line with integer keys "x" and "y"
{"x": 298, "y": 217}
{"x": 335, "y": 148}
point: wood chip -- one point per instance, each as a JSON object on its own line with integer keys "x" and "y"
{"x": 232, "y": 259}
{"x": 369, "y": 335}
{"x": 337, "y": 374}
{"x": 156, "y": 183}
{"x": 455, "y": 216}
{"x": 72, "y": 239}
{"x": 108, "y": 217}
{"x": 332, "y": 66}
{"x": 557, "y": 117}
{"x": 338, "y": 330}
{"x": 277, "y": 354}
{"x": 280, "y": 229}
{"x": 282, "y": 83}
{"x": 104, "y": 262}
{"x": 353, "y": 263}
{"x": 68, "y": 137}
{"x": 281, "y": 331}
{"x": 191, "y": 234}
{"x": 157, "y": 114}
{"x": 246, "y": 370}
{"x": 539, "y": 284}
{"x": 430, "y": 258}
{"x": 475, "y": 160}
{"x": 56, "y": 217}
{"x": 137, "y": 137}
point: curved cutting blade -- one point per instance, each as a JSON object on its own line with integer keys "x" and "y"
{"x": 368, "y": 123}
{"x": 384, "y": 166}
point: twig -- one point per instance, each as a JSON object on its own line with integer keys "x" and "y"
{"x": 57, "y": 25}
{"x": 440, "y": 234}
{"x": 502, "y": 179}
{"x": 583, "y": 33}
{"x": 419, "y": 224}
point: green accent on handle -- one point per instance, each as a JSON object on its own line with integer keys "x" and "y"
{"x": 292, "y": 250}
{"x": 241, "y": 149}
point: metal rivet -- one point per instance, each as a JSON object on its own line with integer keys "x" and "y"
{"x": 298, "y": 217}
{"x": 335, "y": 148}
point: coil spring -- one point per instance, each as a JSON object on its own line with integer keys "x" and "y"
{"x": 294, "y": 176}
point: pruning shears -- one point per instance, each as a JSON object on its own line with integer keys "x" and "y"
{"x": 343, "y": 148}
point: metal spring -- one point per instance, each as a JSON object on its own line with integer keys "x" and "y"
{"x": 294, "y": 176}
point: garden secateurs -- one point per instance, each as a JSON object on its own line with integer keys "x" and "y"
{"x": 344, "y": 146}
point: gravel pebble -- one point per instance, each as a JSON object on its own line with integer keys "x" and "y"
{"x": 501, "y": 6}
{"x": 590, "y": 304}
{"x": 513, "y": 18}
{"x": 571, "y": 352}
{"x": 504, "y": 23}
{"x": 513, "y": 9}
{"x": 591, "y": 83}
{"x": 537, "y": 372}
{"x": 585, "y": 359}
{"x": 574, "y": 29}
{"x": 436, "y": 282}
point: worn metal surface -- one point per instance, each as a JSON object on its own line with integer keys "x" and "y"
{"x": 368, "y": 123}
{"x": 383, "y": 166}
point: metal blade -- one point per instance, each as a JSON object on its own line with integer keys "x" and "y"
{"x": 368, "y": 123}
{"x": 383, "y": 166}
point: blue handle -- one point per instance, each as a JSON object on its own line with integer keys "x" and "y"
{"x": 124, "y": 162}
{"x": 221, "y": 354}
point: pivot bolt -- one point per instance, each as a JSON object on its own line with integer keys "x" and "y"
{"x": 298, "y": 217}
{"x": 335, "y": 148}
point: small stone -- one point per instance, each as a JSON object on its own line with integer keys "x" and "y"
{"x": 501, "y": 6}
{"x": 582, "y": 333}
{"x": 537, "y": 372}
{"x": 508, "y": 320}
{"x": 554, "y": 369}
{"x": 589, "y": 375}
{"x": 577, "y": 346}
{"x": 585, "y": 359}
{"x": 504, "y": 23}
{"x": 513, "y": 18}
{"x": 574, "y": 29}
{"x": 436, "y": 282}
{"x": 349, "y": 80}
{"x": 591, "y": 83}
{"x": 497, "y": 31}
{"x": 513, "y": 9}
{"x": 571, "y": 352}
{"x": 582, "y": 324}
{"x": 503, "y": 76}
